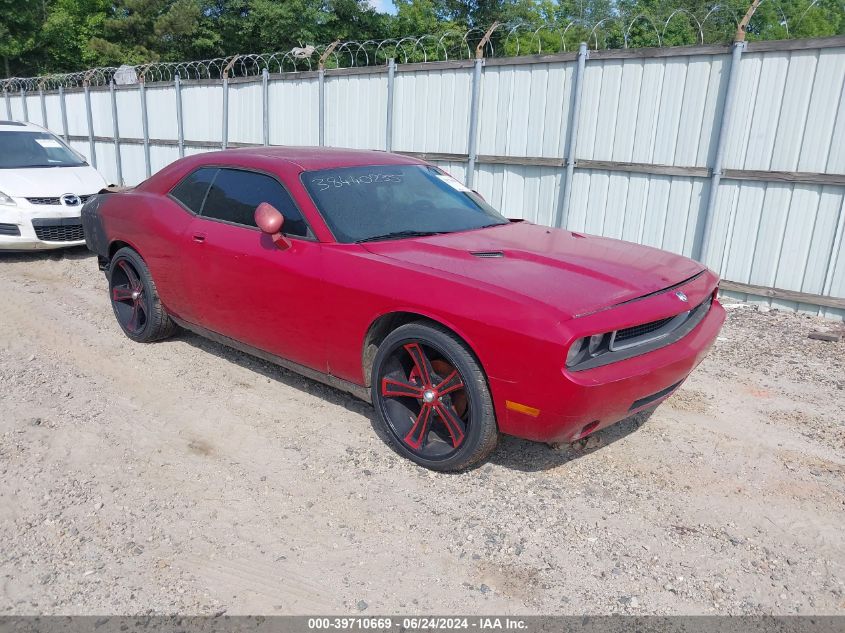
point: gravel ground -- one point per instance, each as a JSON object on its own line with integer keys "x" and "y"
{"x": 186, "y": 477}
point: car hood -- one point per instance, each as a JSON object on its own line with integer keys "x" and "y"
{"x": 50, "y": 181}
{"x": 573, "y": 273}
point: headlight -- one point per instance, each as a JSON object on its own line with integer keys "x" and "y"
{"x": 4, "y": 199}
{"x": 574, "y": 354}
{"x": 587, "y": 347}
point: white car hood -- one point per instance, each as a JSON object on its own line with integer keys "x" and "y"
{"x": 50, "y": 181}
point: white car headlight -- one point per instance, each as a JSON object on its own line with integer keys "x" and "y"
{"x": 4, "y": 199}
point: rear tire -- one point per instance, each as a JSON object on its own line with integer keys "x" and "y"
{"x": 431, "y": 398}
{"x": 135, "y": 300}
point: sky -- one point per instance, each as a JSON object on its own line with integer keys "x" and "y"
{"x": 383, "y": 6}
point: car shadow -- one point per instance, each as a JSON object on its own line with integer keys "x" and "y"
{"x": 291, "y": 379}
{"x": 275, "y": 372}
{"x": 528, "y": 456}
{"x": 512, "y": 453}
{"x": 55, "y": 254}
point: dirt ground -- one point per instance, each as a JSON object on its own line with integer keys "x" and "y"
{"x": 187, "y": 477}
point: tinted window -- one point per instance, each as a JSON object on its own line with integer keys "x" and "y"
{"x": 386, "y": 201}
{"x": 235, "y": 194}
{"x": 191, "y": 191}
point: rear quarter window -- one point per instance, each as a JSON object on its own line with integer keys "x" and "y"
{"x": 191, "y": 191}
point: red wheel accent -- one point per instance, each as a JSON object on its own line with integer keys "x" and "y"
{"x": 131, "y": 275}
{"x": 421, "y": 363}
{"x": 137, "y": 309}
{"x": 451, "y": 383}
{"x": 121, "y": 293}
{"x": 391, "y": 388}
{"x": 416, "y": 436}
{"x": 453, "y": 423}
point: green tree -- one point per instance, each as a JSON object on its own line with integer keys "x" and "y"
{"x": 137, "y": 31}
{"x": 67, "y": 32}
{"x": 19, "y": 29}
{"x": 38, "y": 36}
{"x": 797, "y": 18}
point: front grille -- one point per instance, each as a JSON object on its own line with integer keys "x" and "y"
{"x": 9, "y": 229}
{"x": 639, "y": 339}
{"x": 640, "y": 330}
{"x": 55, "y": 201}
{"x": 59, "y": 231}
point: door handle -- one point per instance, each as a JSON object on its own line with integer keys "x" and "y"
{"x": 199, "y": 238}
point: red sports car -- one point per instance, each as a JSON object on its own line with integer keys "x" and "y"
{"x": 383, "y": 276}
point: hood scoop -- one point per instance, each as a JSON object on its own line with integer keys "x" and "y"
{"x": 487, "y": 254}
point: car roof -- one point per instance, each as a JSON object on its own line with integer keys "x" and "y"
{"x": 309, "y": 158}
{"x": 20, "y": 126}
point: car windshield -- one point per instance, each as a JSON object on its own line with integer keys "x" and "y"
{"x": 19, "y": 150}
{"x": 393, "y": 201}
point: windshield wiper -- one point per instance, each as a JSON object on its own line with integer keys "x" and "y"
{"x": 40, "y": 166}
{"x": 396, "y": 235}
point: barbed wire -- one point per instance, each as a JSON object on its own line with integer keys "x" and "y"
{"x": 713, "y": 24}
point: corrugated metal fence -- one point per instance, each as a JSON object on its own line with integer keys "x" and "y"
{"x": 734, "y": 155}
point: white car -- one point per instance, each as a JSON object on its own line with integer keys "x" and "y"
{"x": 43, "y": 185}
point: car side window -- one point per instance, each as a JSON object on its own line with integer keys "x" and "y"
{"x": 235, "y": 193}
{"x": 192, "y": 189}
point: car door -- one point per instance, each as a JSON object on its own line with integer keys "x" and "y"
{"x": 242, "y": 285}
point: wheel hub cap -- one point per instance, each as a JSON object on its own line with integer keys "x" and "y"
{"x": 428, "y": 395}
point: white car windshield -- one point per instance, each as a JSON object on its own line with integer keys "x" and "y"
{"x": 19, "y": 150}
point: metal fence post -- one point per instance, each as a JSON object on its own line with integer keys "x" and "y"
{"x": 388, "y": 132}
{"x": 225, "y": 77}
{"x": 180, "y": 129}
{"x": 8, "y": 103}
{"x": 321, "y": 94}
{"x": 116, "y": 133}
{"x": 475, "y": 103}
{"x": 92, "y": 148}
{"x": 562, "y": 215}
{"x": 265, "y": 106}
{"x": 145, "y": 126}
{"x": 23, "y": 105}
{"x": 225, "y": 131}
{"x": 835, "y": 253}
{"x": 703, "y": 241}
{"x": 63, "y": 108}
{"x": 472, "y": 140}
{"x": 322, "y": 106}
{"x": 43, "y": 106}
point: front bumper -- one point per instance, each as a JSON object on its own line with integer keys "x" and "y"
{"x": 29, "y": 227}
{"x": 570, "y": 405}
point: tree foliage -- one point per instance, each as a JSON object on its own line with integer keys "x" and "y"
{"x": 39, "y": 36}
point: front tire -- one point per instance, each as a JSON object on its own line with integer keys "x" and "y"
{"x": 431, "y": 398}
{"x": 135, "y": 300}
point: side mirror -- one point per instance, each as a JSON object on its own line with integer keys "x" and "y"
{"x": 270, "y": 221}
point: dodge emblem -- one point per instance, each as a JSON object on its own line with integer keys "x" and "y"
{"x": 681, "y": 295}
